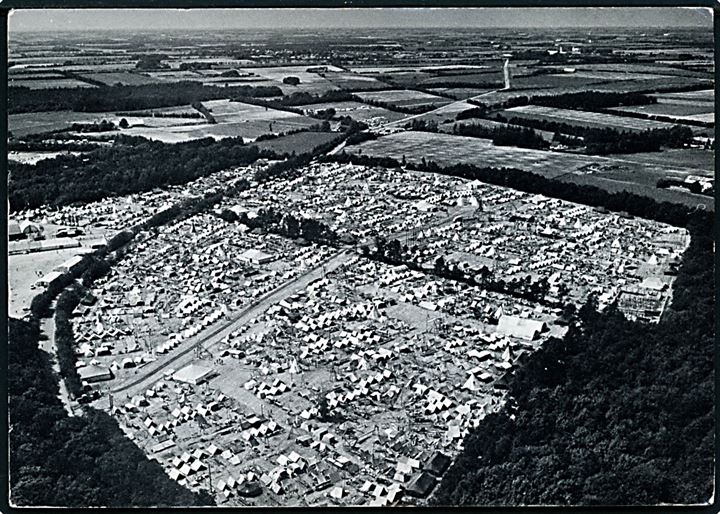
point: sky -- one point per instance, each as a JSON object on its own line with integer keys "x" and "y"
{"x": 168, "y": 19}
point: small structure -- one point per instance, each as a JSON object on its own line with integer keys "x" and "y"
{"x": 421, "y": 485}
{"x": 193, "y": 374}
{"x": 94, "y": 373}
{"x": 256, "y": 256}
{"x": 521, "y": 328}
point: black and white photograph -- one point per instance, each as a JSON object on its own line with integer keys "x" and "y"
{"x": 360, "y": 257}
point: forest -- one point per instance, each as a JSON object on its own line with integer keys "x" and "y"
{"x": 615, "y": 413}
{"x": 75, "y": 461}
{"x": 131, "y": 165}
{"x": 126, "y": 98}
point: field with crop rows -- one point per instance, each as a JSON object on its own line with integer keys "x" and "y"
{"x": 582, "y": 118}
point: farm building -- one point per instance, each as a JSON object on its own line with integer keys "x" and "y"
{"x": 193, "y": 374}
{"x": 521, "y": 328}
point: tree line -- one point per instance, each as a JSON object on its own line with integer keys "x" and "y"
{"x": 126, "y": 98}
{"x": 615, "y": 413}
{"x": 130, "y": 165}
{"x": 504, "y": 135}
{"x": 607, "y": 140}
{"x": 394, "y": 253}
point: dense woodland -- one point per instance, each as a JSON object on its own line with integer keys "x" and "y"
{"x": 126, "y": 98}
{"x": 76, "y": 461}
{"x": 616, "y": 412}
{"x": 131, "y": 165}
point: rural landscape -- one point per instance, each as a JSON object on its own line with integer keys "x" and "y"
{"x": 428, "y": 266}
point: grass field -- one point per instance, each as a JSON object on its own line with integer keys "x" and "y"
{"x": 446, "y": 149}
{"x": 233, "y": 119}
{"x": 582, "y": 118}
{"x": 124, "y": 78}
{"x": 460, "y": 93}
{"x": 402, "y": 97}
{"x": 49, "y": 83}
{"x": 678, "y": 110}
{"x": 36, "y": 122}
{"x": 301, "y": 142}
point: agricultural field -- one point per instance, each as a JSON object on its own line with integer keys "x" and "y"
{"x": 446, "y": 149}
{"x": 704, "y": 95}
{"x": 583, "y": 118}
{"x": 233, "y": 119}
{"x": 124, "y": 78}
{"x": 352, "y": 81}
{"x": 678, "y": 110}
{"x": 49, "y": 83}
{"x": 299, "y": 143}
{"x": 38, "y": 122}
{"x": 459, "y": 93}
{"x": 403, "y": 98}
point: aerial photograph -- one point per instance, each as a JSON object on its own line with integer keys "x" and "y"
{"x": 360, "y": 257}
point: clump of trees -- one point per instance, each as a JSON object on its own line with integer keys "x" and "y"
{"x": 504, "y": 135}
{"x": 152, "y": 62}
{"x": 292, "y": 81}
{"x": 615, "y": 413}
{"x": 102, "y": 126}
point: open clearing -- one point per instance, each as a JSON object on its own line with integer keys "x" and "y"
{"x": 23, "y": 272}
{"x": 37, "y": 122}
{"x": 402, "y": 97}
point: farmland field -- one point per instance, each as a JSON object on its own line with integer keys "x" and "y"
{"x": 233, "y": 119}
{"x": 403, "y": 98}
{"x": 299, "y": 143}
{"x": 351, "y": 81}
{"x": 460, "y": 93}
{"x": 582, "y": 118}
{"x": 679, "y": 111}
{"x": 446, "y": 149}
{"x": 49, "y": 83}
{"x": 124, "y": 78}
{"x": 37, "y": 122}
